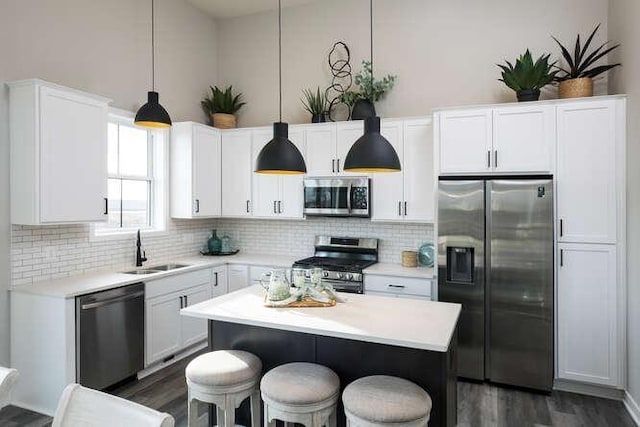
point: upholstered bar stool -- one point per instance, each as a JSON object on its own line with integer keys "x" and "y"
{"x": 381, "y": 401}
{"x": 224, "y": 378}
{"x": 300, "y": 392}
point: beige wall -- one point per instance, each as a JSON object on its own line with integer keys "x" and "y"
{"x": 444, "y": 52}
{"x": 101, "y": 47}
{"x": 623, "y": 26}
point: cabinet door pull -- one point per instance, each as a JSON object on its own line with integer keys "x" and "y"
{"x": 561, "y": 227}
{"x": 405, "y": 208}
{"x": 396, "y": 286}
{"x": 274, "y": 207}
{"x": 186, "y": 301}
{"x": 279, "y": 206}
{"x": 338, "y": 167}
{"x": 495, "y": 159}
{"x": 399, "y": 208}
{"x": 197, "y": 205}
{"x": 216, "y": 275}
{"x": 333, "y": 165}
{"x": 488, "y": 158}
{"x": 106, "y": 206}
{"x": 181, "y": 303}
{"x": 561, "y": 258}
{"x": 248, "y": 206}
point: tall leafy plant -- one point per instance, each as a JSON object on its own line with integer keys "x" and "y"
{"x": 581, "y": 63}
{"x": 526, "y": 74}
{"x": 222, "y": 101}
{"x": 369, "y": 88}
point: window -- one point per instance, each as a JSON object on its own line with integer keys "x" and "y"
{"x": 135, "y": 166}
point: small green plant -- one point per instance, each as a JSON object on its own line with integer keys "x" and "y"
{"x": 222, "y": 101}
{"x": 314, "y": 103}
{"x": 527, "y": 75}
{"x": 369, "y": 88}
{"x": 578, "y": 64}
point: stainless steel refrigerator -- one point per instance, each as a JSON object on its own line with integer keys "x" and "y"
{"x": 495, "y": 256}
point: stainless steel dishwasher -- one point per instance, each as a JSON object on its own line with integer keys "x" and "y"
{"x": 109, "y": 336}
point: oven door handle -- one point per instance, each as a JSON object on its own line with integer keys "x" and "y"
{"x": 349, "y": 198}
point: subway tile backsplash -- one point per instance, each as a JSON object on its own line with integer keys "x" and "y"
{"x": 49, "y": 252}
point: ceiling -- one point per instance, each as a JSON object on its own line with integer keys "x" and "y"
{"x": 231, "y": 8}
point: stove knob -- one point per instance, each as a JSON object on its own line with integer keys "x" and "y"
{"x": 339, "y": 275}
{"x": 325, "y": 274}
{"x": 349, "y": 276}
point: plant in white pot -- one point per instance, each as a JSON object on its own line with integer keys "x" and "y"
{"x": 222, "y": 106}
{"x": 576, "y": 79}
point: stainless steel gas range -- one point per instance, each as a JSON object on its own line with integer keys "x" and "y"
{"x": 342, "y": 260}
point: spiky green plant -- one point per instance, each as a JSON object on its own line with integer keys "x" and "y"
{"x": 222, "y": 101}
{"x": 578, "y": 64}
{"x": 526, "y": 74}
{"x": 369, "y": 88}
{"x": 314, "y": 103}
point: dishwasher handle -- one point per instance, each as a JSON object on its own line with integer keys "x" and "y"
{"x": 112, "y": 300}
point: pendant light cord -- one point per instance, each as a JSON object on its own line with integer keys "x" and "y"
{"x": 153, "y": 48}
{"x": 371, "y": 32}
{"x": 280, "y": 53}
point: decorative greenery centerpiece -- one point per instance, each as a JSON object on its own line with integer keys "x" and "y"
{"x": 370, "y": 91}
{"x": 316, "y": 104}
{"x": 576, "y": 79}
{"x": 526, "y": 78}
{"x": 221, "y": 106}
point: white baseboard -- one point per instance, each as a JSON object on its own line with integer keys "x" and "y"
{"x": 632, "y": 407}
{"x": 588, "y": 389}
{"x": 158, "y": 366}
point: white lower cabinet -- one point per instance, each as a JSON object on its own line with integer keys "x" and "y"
{"x": 588, "y": 317}
{"x": 220, "y": 284}
{"x": 397, "y": 286}
{"x": 238, "y": 276}
{"x": 166, "y": 331}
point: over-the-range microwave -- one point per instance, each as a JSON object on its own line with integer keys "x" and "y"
{"x": 337, "y": 196}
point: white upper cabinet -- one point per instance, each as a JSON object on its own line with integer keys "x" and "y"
{"x": 58, "y": 149}
{"x": 512, "y": 139}
{"x": 321, "y": 143}
{"x": 586, "y": 176}
{"x": 348, "y": 133}
{"x": 524, "y": 139}
{"x": 277, "y": 196}
{"x": 196, "y": 179}
{"x": 237, "y": 169}
{"x": 465, "y": 141}
{"x": 407, "y": 195}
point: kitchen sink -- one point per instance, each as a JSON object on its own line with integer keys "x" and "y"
{"x": 168, "y": 267}
{"x": 143, "y": 271}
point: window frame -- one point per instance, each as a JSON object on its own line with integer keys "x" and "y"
{"x": 157, "y": 173}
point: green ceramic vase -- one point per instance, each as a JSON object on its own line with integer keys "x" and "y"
{"x": 214, "y": 243}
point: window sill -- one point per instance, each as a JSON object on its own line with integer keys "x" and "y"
{"x": 125, "y": 234}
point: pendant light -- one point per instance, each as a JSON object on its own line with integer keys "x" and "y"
{"x": 372, "y": 152}
{"x": 152, "y": 115}
{"x": 280, "y": 156}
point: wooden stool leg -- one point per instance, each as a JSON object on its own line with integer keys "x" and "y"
{"x": 192, "y": 411}
{"x": 219, "y": 416}
{"x": 255, "y": 409}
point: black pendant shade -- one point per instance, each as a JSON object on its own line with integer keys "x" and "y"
{"x": 372, "y": 152}
{"x": 152, "y": 114}
{"x": 280, "y": 156}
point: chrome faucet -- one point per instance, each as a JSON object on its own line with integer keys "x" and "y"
{"x": 141, "y": 256}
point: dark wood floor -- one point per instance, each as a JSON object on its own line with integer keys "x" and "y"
{"x": 478, "y": 405}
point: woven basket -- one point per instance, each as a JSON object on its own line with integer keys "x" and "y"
{"x": 409, "y": 259}
{"x": 576, "y": 88}
{"x": 223, "y": 120}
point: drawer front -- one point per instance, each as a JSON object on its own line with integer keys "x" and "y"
{"x": 397, "y": 285}
{"x": 177, "y": 283}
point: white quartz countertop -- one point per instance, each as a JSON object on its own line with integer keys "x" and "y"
{"x": 73, "y": 286}
{"x": 387, "y": 269}
{"x": 409, "y": 323}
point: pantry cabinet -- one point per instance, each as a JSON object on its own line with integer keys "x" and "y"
{"x": 58, "y": 142}
{"x": 237, "y": 170}
{"x": 277, "y": 196}
{"x": 196, "y": 179}
{"x": 407, "y": 195}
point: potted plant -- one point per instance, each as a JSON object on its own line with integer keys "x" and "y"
{"x": 315, "y": 104}
{"x": 526, "y": 78}
{"x": 221, "y": 106}
{"x": 370, "y": 91}
{"x": 576, "y": 79}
